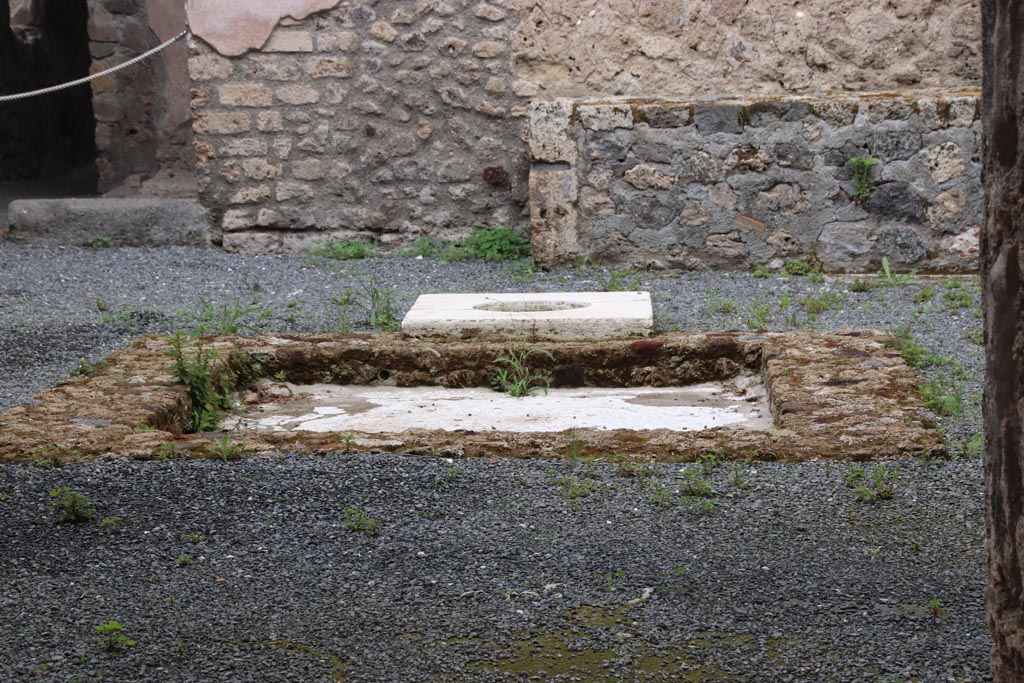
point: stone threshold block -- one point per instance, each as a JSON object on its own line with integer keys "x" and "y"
{"x": 548, "y": 316}
{"x": 126, "y": 222}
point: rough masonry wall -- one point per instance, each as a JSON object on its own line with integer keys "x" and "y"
{"x": 738, "y": 183}
{"x": 682, "y": 48}
{"x": 380, "y": 120}
{"x": 144, "y": 139}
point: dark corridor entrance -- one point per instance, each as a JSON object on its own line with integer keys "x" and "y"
{"x": 47, "y": 143}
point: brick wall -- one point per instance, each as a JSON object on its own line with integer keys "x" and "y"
{"x": 383, "y": 120}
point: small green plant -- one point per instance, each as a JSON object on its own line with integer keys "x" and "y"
{"x": 623, "y": 280}
{"x": 73, "y": 505}
{"x": 916, "y": 355}
{"x": 613, "y": 580}
{"x": 975, "y": 335}
{"x": 883, "y": 485}
{"x": 575, "y": 448}
{"x": 427, "y": 247}
{"x": 675, "y": 580}
{"x": 447, "y": 477}
{"x": 114, "y": 639}
{"x": 738, "y": 479}
{"x": 800, "y": 267}
{"x": 974, "y": 447}
{"x": 709, "y": 459}
{"x": 957, "y": 296}
{"x": 702, "y": 506}
{"x": 861, "y": 285}
{"x": 758, "y": 315}
{"x": 943, "y": 396}
{"x": 54, "y": 456}
{"x": 660, "y": 494}
{"x": 4, "y": 496}
{"x": 357, "y": 520}
{"x": 762, "y": 272}
{"x": 84, "y": 368}
{"x": 98, "y": 241}
{"x": 890, "y": 279}
{"x": 855, "y": 477}
{"x": 515, "y": 378}
{"x": 721, "y": 305}
{"x": 222, "y": 319}
{"x": 816, "y": 305}
{"x": 500, "y": 243}
{"x": 184, "y": 560}
{"x": 224, "y": 449}
{"x": 344, "y": 250}
{"x": 195, "y": 537}
{"x": 692, "y": 486}
{"x": 631, "y": 468}
{"x": 209, "y": 390}
{"x": 935, "y": 608}
{"x": 575, "y": 489}
{"x": 111, "y": 525}
{"x": 377, "y": 304}
{"x": 863, "y": 183}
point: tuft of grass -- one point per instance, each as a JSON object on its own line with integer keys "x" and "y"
{"x": 975, "y": 335}
{"x": 974, "y": 447}
{"x": 803, "y": 266}
{"x": 863, "y": 183}
{"x": 956, "y": 296}
{"x": 357, "y": 520}
{"x": 890, "y": 279}
{"x": 762, "y": 272}
{"x": 935, "y": 608}
{"x": 427, "y": 247}
{"x": 224, "y": 449}
{"x": 344, "y": 250}
{"x": 84, "y": 368}
{"x": 575, "y": 489}
{"x": 632, "y": 468}
{"x": 719, "y": 305}
{"x": 861, "y": 285}
{"x": 98, "y": 241}
{"x": 184, "y": 560}
{"x": 692, "y": 486}
{"x": 222, "y": 319}
{"x": 943, "y": 397}
{"x": 73, "y": 505}
{"x": 515, "y": 378}
{"x": 759, "y": 314}
{"x": 623, "y": 280}
{"x": 449, "y": 476}
{"x": 882, "y": 485}
{"x": 111, "y": 525}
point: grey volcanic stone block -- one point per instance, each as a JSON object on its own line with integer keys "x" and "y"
{"x": 125, "y": 222}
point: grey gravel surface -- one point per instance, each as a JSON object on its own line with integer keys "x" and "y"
{"x": 280, "y": 590}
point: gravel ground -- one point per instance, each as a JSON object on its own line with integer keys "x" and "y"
{"x": 480, "y": 568}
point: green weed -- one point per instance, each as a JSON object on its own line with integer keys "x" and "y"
{"x": 721, "y": 305}
{"x": 344, "y": 250}
{"x": 73, "y": 505}
{"x": 863, "y": 183}
{"x": 974, "y": 447}
{"x": 111, "y": 525}
{"x": 98, "y": 241}
{"x": 623, "y": 280}
{"x": 357, "y": 520}
{"x": 209, "y": 391}
{"x": 114, "y": 639}
{"x": 515, "y": 378}
{"x": 759, "y": 314}
{"x": 762, "y": 272}
{"x": 224, "y": 449}
{"x": 882, "y": 485}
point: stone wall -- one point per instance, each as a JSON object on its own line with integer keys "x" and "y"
{"x": 144, "y": 139}
{"x": 379, "y": 120}
{"x": 682, "y": 48}
{"x": 729, "y": 183}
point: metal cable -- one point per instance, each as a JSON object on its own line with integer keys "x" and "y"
{"x": 80, "y": 81}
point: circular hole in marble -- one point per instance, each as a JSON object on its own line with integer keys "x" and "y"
{"x": 529, "y": 306}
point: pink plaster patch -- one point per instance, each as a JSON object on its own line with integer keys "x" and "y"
{"x": 233, "y": 27}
